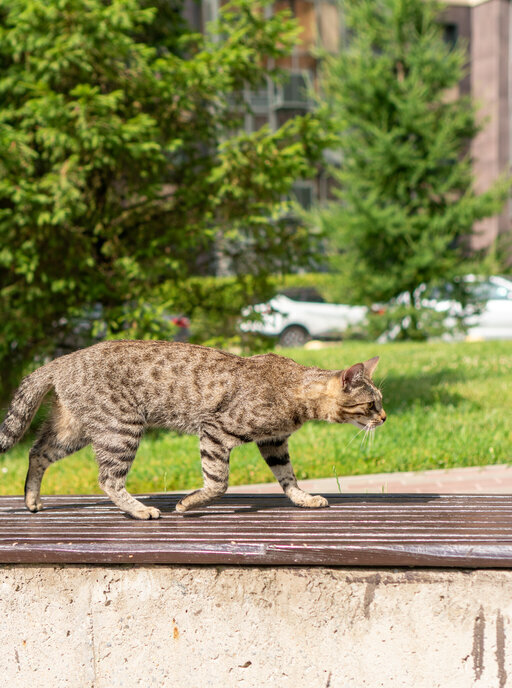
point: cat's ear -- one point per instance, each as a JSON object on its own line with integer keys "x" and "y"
{"x": 370, "y": 365}
{"x": 351, "y": 377}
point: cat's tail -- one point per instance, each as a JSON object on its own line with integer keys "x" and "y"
{"x": 25, "y": 402}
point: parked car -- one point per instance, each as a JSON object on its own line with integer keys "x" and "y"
{"x": 493, "y": 317}
{"x": 298, "y": 314}
{"x": 489, "y": 317}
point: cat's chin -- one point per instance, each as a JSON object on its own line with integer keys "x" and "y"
{"x": 358, "y": 425}
{"x": 366, "y": 426}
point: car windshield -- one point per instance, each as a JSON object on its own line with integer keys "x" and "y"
{"x": 306, "y": 294}
{"x": 481, "y": 291}
{"x": 487, "y": 291}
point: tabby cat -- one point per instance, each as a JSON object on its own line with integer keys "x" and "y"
{"x": 109, "y": 393}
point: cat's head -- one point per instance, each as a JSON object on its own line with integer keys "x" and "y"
{"x": 358, "y": 400}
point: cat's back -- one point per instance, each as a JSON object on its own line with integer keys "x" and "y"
{"x": 175, "y": 384}
{"x": 137, "y": 358}
{"x": 153, "y": 368}
{"x": 127, "y": 354}
{"x": 274, "y": 368}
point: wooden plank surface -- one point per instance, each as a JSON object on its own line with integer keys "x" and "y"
{"x": 470, "y": 531}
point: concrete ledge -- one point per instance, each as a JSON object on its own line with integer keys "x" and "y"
{"x": 109, "y": 626}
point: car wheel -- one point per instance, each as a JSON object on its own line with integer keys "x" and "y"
{"x": 295, "y": 335}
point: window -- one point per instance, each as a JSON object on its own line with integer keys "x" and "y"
{"x": 450, "y": 34}
{"x": 303, "y": 192}
{"x": 295, "y": 91}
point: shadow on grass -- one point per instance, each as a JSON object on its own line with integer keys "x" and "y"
{"x": 429, "y": 389}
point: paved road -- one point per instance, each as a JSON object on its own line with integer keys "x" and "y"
{"x": 473, "y": 480}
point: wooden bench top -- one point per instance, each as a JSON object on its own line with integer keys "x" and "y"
{"x": 468, "y": 531}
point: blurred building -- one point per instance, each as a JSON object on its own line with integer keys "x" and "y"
{"x": 273, "y": 104}
{"x": 484, "y": 27}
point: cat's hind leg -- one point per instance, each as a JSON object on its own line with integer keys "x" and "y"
{"x": 275, "y": 453}
{"x": 60, "y": 435}
{"x": 215, "y": 465}
{"x": 115, "y": 451}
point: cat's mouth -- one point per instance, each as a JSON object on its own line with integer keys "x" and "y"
{"x": 377, "y": 423}
{"x": 371, "y": 425}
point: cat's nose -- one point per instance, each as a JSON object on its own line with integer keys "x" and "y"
{"x": 383, "y": 417}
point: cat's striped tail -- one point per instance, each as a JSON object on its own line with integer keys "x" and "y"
{"x": 25, "y": 402}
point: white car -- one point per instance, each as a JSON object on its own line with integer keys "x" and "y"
{"x": 299, "y": 314}
{"x": 494, "y": 321}
{"x": 490, "y": 318}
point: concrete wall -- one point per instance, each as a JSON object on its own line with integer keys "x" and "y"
{"x": 194, "y": 627}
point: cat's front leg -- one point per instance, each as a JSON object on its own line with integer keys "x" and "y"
{"x": 275, "y": 453}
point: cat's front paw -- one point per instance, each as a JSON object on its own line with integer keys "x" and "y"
{"x": 145, "y": 513}
{"x": 316, "y": 502}
{"x": 33, "y": 505}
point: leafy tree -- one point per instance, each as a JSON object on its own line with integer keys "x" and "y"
{"x": 406, "y": 203}
{"x": 121, "y": 169}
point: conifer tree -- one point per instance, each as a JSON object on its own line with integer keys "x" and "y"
{"x": 406, "y": 201}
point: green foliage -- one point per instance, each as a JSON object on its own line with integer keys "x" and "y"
{"x": 406, "y": 198}
{"x": 395, "y": 321}
{"x": 214, "y": 306}
{"x": 121, "y": 168}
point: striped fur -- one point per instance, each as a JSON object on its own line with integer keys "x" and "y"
{"x": 23, "y": 407}
{"x": 107, "y": 395}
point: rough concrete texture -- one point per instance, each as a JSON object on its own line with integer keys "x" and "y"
{"x": 192, "y": 627}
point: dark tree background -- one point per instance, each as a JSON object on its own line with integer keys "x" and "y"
{"x": 122, "y": 169}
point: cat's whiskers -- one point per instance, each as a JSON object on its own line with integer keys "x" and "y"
{"x": 370, "y": 435}
{"x": 380, "y": 386}
{"x": 366, "y": 437}
{"x": 354, "y": 437}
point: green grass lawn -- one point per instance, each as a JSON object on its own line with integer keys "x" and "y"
{"x": 447, "y": 404}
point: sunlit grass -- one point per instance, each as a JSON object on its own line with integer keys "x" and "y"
{"x": 448, "y": 405}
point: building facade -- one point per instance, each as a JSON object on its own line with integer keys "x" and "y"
{"x": 484, "y": 27}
